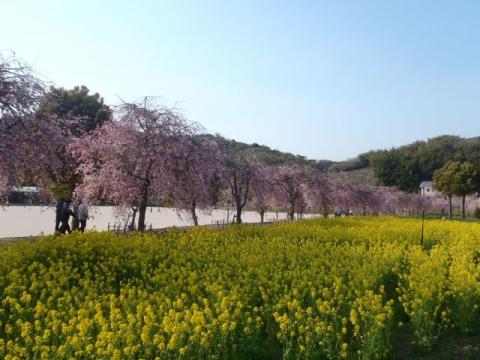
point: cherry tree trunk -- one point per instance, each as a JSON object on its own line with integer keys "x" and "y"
{"x": 238, "y": 218}
{"x": 75, "y": 222}
{"x": 291, "y": 213}
{"x": 262, "y": 216}
{"x": 193, "y": 213}
{"x": 142, "y": 209}
{"x": 450, "y": 207}
{"x": 463, "y": 206}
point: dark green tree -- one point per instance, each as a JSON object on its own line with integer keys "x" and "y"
{"x": 386, "y": 164}
{"x": 466, "y": 180}
{"x": 444, "y": 181}
{"x": 457, "y": 178}
{"x": 88, "y": 109}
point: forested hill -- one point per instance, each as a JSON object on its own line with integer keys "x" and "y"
{"x": 407, "y": 166}
{"x": 404, "y": 167}
{"x": 268, "y": 155}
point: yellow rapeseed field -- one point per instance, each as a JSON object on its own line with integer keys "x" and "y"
{"x": 325, "y": 288}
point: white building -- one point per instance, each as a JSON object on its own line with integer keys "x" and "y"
{"x": 24, "y": 195}
{"x": 426, "y": 189}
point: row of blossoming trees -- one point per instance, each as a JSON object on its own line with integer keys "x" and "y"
{"x": 147, "y": 154}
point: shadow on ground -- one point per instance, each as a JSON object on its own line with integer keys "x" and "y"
{"x": 450, "y": 346}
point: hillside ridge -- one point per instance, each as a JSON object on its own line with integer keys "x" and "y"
{"x": 403, "y": 167}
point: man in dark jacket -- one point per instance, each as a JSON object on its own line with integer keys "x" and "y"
{"x": 58, "y": 212}
{"x": 65, "y": 218}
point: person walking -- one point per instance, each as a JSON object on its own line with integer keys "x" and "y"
{"x": 82, "y": 215}
{"x": 65, "y": 218}
{"x": 60, "y": 208}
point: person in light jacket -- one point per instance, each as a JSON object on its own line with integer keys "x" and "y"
{"x": 82, "y": 215}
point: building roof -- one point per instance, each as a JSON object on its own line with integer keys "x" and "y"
{"x": 425, "y": 184}
{"x": 32, "y": 189}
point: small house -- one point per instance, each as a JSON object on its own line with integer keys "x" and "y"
{"x": 426, "y": 189}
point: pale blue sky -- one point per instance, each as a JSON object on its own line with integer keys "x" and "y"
{"x": 325, "y": 79}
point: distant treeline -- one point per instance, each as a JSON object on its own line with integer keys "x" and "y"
{"x": 404, "y": 167}
{"x": 407, "y": 166}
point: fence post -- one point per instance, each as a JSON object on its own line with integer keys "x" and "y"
{"x": 423, "y": 224}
